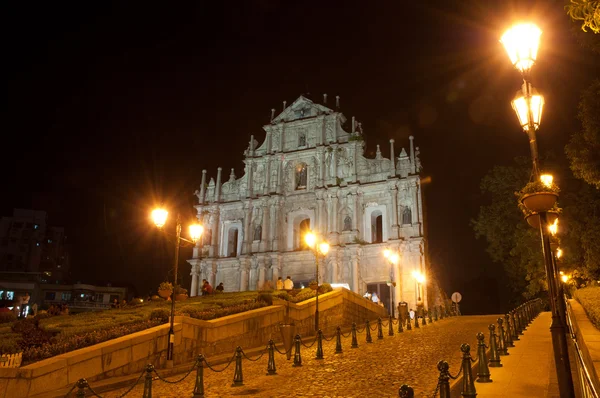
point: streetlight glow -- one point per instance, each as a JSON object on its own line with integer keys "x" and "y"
{"x": 559, "y": 253}
{"x": 418, "y": 276}
{"x": 553, "y": 228}
{"x": 196, "y": 231}
{"x": 387, "y": 253}
{"x": 523, "y": 108}
{"x": 394, "y": 258}
{"x": 521, "y": 43}
{"x": 565, "y": 278}
{"x": 159, "y": 216}
{"x": 324, "y": 248}
{"x": 310, "y": 239}
{"x": 547, "y": 179}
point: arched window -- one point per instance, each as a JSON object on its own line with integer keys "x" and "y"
{"x": 376, "y": 227}
{"x": 347, "y": 224}
{"x": 258, "y": 233}
{"x": 406, "y": 215}
{"x": 303, "y": 228}
{"x": 232, "y": 242}
{"x": 301, "y": 176}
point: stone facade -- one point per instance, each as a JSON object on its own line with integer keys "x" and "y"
{"x": 310, "y": 174}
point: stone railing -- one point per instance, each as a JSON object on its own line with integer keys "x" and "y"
{"x": 132, "y": 353}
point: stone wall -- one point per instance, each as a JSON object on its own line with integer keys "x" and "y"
{"x": 129, "y": 354}
{"x": 588, "y": 338}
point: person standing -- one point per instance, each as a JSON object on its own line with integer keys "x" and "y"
{"x": 288, "y": 284}
{"x": 279, "y": 284}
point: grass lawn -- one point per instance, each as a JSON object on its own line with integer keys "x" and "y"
{"x": 589, "y": 298}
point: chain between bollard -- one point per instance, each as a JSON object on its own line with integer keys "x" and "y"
{"x": 255, "y": 359}
{"x": 308, "y": 346}
{"x": 220, "y": 370}
{"x": 133, "y": 385}
{"x": 282, "y": 352}
{"x": 178, "y": 381}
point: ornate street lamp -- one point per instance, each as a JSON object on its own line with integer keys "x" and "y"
{"x": 394, "y": 259}
{"x": 159, "y": 216}
{"x": 319, "y": 248}
{"x": 522, "y": 43}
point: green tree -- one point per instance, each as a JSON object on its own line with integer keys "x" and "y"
{"x": 583, "y": 149}
{"x": 587, "y": 11}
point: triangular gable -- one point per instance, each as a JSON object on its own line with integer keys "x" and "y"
{"x": 300, "y": 109}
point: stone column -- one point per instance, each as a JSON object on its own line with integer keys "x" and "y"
{"x": 354, "y": 270}
{"x": 203, "y": 187}
{"x": 412, "y": 155}
{"x": 394, "y": 210}
{"x": 392, "y": 160}
{"x": 276, "y": 232}
{"x": 334, "y": 158}
{"x": 218, "y": 191}
{"x": 355, "y": 159}
{"x": 264, "y": 238}
{"x": 414, "y": 208}
{"x": 321, "y": 218}
{"x": 359, "y": 213}
{"x": 279, "y": 188}
{"x": 247, "y": 242}
{"x": 276, "y": 267}
{"x": 214, "y": 246}
{"x": 261, "y": 274}
{"x": 195, "y": 277}
{"x": 244, "y": 268}
{"x": 213, "y": 274}
{"x": 352, "y": 206}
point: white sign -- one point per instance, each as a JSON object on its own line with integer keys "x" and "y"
{"x": 456, "y": 297}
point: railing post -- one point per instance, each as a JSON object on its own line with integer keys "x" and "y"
{"x": 509, "y": 336}
{"x": 338, "y": 340}
{"x": 297, "y": 356}
{"x": 368, "y": 330}
{"x": 494, "y": 357}
{"x": 271, "y": 369}
{"x": 391, "y": 327}
{"x": 354, "y": 339}
{"x": 468, "y": 388}
{"x": 82, "y": 384}
{"x": 199, "y": 386}
{"x": 443, "y": 379}
{"x": 406, "y": 391}
{"x": 514, "y": 326}
{"x": 319, "y": 345}
{"x": 483, "y": 371}
{"x": 148, "y": 381}
{"x": 502, "y": 349}
{"x": 379, "y": 329}
{"x": 238, "y": 375}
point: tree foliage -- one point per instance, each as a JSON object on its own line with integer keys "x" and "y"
{"x": 583, "y": 150}
{"x": 587, "y": 11}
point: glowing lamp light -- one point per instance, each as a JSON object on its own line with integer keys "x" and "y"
{"x": 324, "y": 248}
{"x": 310, "y": 239}
{"x": 521, "y": 43}
{"x": 553, "y": 228}
{"x": 196, "y": 231}
{"x": 524, "y": 107}
{"x": 159, "y": 216}
{"x": 394, "y": 258}
{"x": 418, "y": 276}
{"x": 547, "y": 179}
{"x": 559, "y": 253}
{"x": 387, "y": 253}
{"x": 565, "y": 278}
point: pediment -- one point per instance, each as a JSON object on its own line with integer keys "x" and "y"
{"x": 300, "y": 109}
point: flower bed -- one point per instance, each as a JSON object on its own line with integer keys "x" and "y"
{"x": 589, "y": 298}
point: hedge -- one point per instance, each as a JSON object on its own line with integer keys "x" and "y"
{"x": 589, "y": 298}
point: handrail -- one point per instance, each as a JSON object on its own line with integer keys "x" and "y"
{"x": 586, "y": 379}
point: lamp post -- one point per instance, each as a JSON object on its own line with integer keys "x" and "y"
{"x": 319, "y": 248}
{"x": 521, "y": 43}
{"x": 159, "y": 216}
{"x": 394, "y": 259}
{"x": 420, "y": 280}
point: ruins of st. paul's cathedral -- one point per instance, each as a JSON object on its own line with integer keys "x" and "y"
{"x": 308, "y": 173}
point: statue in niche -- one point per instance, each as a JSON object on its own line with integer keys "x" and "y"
{"x": 347, "y": 224}
{"x": 406, "y": 215}
{"x": 328, "y": 162}
{"x": 302, "y": 138}
{"x": 301, "y": 176}
{"x": 258, "y": 233}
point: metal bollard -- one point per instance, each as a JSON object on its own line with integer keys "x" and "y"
{"x": 483, "y": 371}
{"x": 441, "y": 312}
{"x": 408, "y": 327}
{"x": 515, "y": 332}
{"x": 297, "y": 355}
{"x": 494, "y": 357}
{"x": 368, "y": 329}
{"x": 391, "y": 327}
{"x": 338, "y": 340}
{"x": 443, "y": 379}
{"x": 423, "y": 321}
{"x": 435, "y": 314}
{"x": 508, "y": 332}
{"x": 271, "y": 369}
{"x": 82, "y": 384}
{"x": 518, "y": 324}
{"x": 406, "y": 391}
{"x": 416, "y": 321}
{"x": 148, "y": 382}
{"x": 354, "y": 339}
{"x": 238, "y": 375}
{"x": 502, "y": 348}
{"x": 379, "y": 329}
{"x": 429, "y": 316}
{"x": 400, "y": 328}
{"x": 199, "y": 386}
{"x": 468, "y": 387}
{"x": 319, "y": 345}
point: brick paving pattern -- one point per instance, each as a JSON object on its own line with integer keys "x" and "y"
{"x": 377, "y": 369}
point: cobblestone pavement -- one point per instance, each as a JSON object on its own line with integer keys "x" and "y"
{"x": 377, "y": 369}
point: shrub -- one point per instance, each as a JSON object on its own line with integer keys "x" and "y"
{"x": 265, "y": 298}
{"x": 589, "y": 298}
{"x": 160, "y": 315}
{"x": 282, "y": 295}
{"x": 10, "y": 344}
{"x": 6, "y": 317}
{"x": 180, "y": 290}
{"x": 165, "y": 286}
{"x": 325, "y": 288}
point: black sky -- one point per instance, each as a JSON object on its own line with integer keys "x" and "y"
{"x": 112, "y": 108}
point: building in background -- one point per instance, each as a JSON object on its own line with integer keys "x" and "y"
{"x": 310, "y": 174}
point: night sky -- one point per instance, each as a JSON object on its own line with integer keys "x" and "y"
{"x": 111, "y": 109}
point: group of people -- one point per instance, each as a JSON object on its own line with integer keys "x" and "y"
{"x": 288, "y": 284}
{"x": 374, "y": 298}
{"x": 208, "y": 289}
{"x": 58, "y": 309}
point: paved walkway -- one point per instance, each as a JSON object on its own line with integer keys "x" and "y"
{"x": 528, "y": 370}
{"x": 376, "y": 369}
